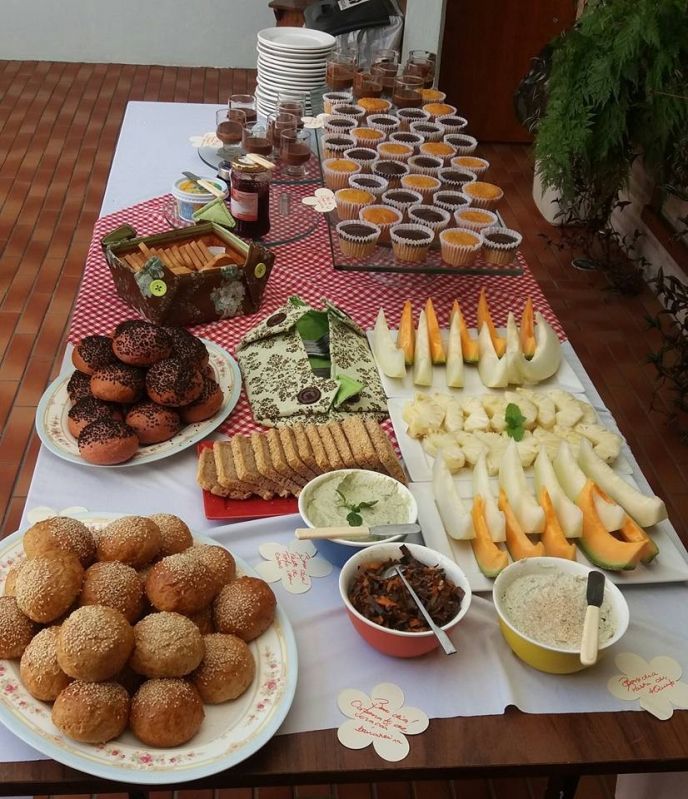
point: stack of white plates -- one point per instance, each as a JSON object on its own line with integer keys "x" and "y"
{"x": 290, "y": 61}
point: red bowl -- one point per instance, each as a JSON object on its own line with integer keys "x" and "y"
{"x": 395, "y": 642}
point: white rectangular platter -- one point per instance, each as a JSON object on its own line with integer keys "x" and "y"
{"x": 669, "y": 566}
{"x": 419, "y": 463}
{"x": 565, "y": 377}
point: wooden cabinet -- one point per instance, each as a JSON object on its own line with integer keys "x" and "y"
{"x": 486, "y": 50}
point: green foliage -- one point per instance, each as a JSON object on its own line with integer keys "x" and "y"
{"x": 617, "y": 87}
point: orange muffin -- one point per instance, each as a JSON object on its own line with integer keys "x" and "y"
{"x": 439, "y": 109}
{"x": 439, "y": 149}
{"x": 350, "y": 201}
{"x": 374, "y": 105}
{"x": 459, "y": 247}
{"x": 367, "y": 137}
{"x": 382, "y": 216}
{"x": 394, "y": 151}
{"x": 483, "y": 195}
{"x": 433, "y": 96}
{"x": 425, "y": 184}
{"x": 337, "y": 172}
{"x": 475, "y": 219}
{"x": 471, "y": 162}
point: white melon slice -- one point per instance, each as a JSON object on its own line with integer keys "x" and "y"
{"x": 645, "y": 510}
{"x": 388, "y": 356}
{"x": 570, "y": 516}
{"x": 492, "y": 369}
{"x": 454, "y": 365}
{"x": 513, "y": 480}
{"x": 547, "y": 358}
{"x": 494, "y": 517}
{"x": 422, "y": 363}
{"x": 514, "y": 354}
{"x": 456, "y": 518}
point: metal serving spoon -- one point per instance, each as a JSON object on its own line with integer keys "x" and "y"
{"x": 442, "y": 637}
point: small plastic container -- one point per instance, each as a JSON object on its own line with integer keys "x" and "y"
{"x": 191, "y": 197}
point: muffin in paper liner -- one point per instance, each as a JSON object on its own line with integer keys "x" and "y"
{"x": 350, "y": 201}
{"x": 426, "y": 185}
{"x": 350, "y": 111}
{"x": 472, "y": 163}
{"x": 384, "y": 122}
{"x": 377, "y": 186}
{"x": 451, "y": 123}
{"x": 456, "y": 179}
{"x": 500, "y": 245}
{"x": 433, "y": 96}
{"x": 333, "y": 149}
{"x": 408, "y": 115}
{"x": 475, "y": 219}
{"x": 430, "y": 131}
{"x": 332, "y": 99}
{"x": 374, "y": 105}
{"x": 391, "y": 171}
{"x": 406, "y": 137}
{"x": 337, "y": 124}
{"x": 425, "y": 164}
{"x": 394, "y": 151}
{"x": 483, "y": 195}
{"x": 465, "y": 144}
{"x": 427, "y": 215}
{"x": 450, "y": 200}
{"x": 438, "y": 149}
{"x": 384, "y": 216}
{"x": 365, "y": 157}
{"x": 438, "y": 110}
{"x": 337, "y": 171}
{"x": 459, "y": 247}
{"x": 368, "y": 136}
{"x": 402, "y": 199}
{"x": 411, "y": 242}
{"x": 357, "y": 239}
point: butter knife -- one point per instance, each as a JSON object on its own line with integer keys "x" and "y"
{"x": 591, "y": 624}
{"x": 203, "y": 183}
{"x": 344, "y": 531}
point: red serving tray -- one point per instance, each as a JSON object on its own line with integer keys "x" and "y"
{"x": 233, "y": 510}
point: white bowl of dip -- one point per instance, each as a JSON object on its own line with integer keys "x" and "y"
{"x": 321, "y": 506}
{"x": 541, "y": 606}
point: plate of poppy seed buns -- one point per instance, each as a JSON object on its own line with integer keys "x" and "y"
{"x": 132, "y": 650}
{"x": 137, "y": 395}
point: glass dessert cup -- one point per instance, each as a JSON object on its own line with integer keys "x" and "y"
{"x": 295, "y": 151}
{"x": 229, "y": 127}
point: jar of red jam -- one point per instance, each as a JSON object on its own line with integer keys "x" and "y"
{"x": 249, "y": 198}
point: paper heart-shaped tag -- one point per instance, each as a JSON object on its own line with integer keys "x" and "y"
{"x": 294, "y": 565}
{"x": 322, "y": 200}
{"x": 656, "y": 684}
{"x": 206, "y": 140}
{"x": 315, "y": 122}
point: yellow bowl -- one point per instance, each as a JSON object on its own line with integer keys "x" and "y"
{"x": 552, "y": 659}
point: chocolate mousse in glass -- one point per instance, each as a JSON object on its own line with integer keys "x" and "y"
{"x": 292, "y": 103}
{"x": 295, "y": 151}
{"x": 339, "y": 72}
{"x": 367, "y": 84}
{"x": 255, "y": 140}
{"x": 277, "y": 124}
{"x": 407, "y": 92}
{"x": 422, "y": 63}
{"x": 229, "y": 129}
{"x": 386, "y": 73}
{"x": 245, "y": 103}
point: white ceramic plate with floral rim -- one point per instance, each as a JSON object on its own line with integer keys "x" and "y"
{"x": 230, "y": 732}
{"x": 51, "y": 416}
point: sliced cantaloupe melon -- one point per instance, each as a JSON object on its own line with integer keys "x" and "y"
{"x": 469, "y": 346}
{"x": 484, "y": 318}
{"x": 436, "y": 347}
{"x": 489, "y": 557}
{"x": 553, "y": 538}
{"x": 528, "y": 330}
{"x": 517, "y": 542}
{"x": 406, "y": 338}
{"x": 630, "y": 531}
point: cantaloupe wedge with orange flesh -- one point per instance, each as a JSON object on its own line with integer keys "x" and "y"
{"x": 436, "y": 347}
{"x": 489, "y": 557}
{"x": 628, "y": 530}
{"x": 517, "y": 542}
{"x": 406, "y": 338}
{"x": 599, "y": 546}
{"x": 469, "y": 346}
{"x": 484, "y": 318}
{"x": 553, "y": 538}
{"x": 528, "y": 330}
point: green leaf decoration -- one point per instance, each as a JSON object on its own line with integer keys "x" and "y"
{"x": 354, "y": 519}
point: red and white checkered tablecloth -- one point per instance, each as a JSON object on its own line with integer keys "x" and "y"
{"x": 302, "y": 267}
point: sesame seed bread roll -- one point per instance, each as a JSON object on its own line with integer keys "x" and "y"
{"x": 60, "y": 534}
{"x": 166, "y": 712}
{"x": 47, "y": 585}
{"x": 40, "y": 672}
{"x": 219, "y": 562}
{"x": 175, "y": 534}
{"x": 94, "y": 643}
{"x": 226, "y": 671}
{"x": 181, "y": 584}
{"x": 16, "y": 629}
{"x": 166, "y": 645}
{"x": 92, "y": 713}
{"x": 10, "y": 588}
{"x": 134, "y": 540}
{"x": 244, "y": 607}
{"x": 114, "y": 585}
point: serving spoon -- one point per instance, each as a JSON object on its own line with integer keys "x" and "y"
{"x": 442, "y": 637}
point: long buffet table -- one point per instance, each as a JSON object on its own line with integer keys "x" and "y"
{"x": 152, "y": 151}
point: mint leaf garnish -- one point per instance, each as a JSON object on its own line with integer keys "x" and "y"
{"x": 514, "y": 422}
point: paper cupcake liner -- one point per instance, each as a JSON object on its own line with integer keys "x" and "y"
{"x": 373, "y": 111}
{"x": 356, "y": 182}
{"x": 446, "y": 159}
{"x": 476, "y": 227}
{"x": 338, "y": 127}
{"x": 383, "y": 122}
{"x": 401, "y": 157}
{"x": 384, "y": 227}
{"x": 450, "y": 127}
{"x": 366, "y": 163}
{"x": 368, "y": 142}
{"x": 439, "y": 97}
{"x": 489, "y": 204}
{"x": 465, "y": 144}
{"x": 500, "y": 254}
{"x": 458, "y": 254}
{"x": 332, "y": 99}
{"x": 410, "y": 250}
{"x": 455, "y": 185}
{"x": 453, "y": 201}
{"x": 337, "y": 180}
{"x": 436, "y": 227}
{"x": 418, "y": 115}
{"x": 336, "y": 150}
{"x": 347, "y": 209}
{"x": 350, "y": 111}
{"x": 426, "y": 193}
{"x": 357, "y": 246}
{"x": 477, "y": 171}
{"x": 402, "y": 206}
{"x": 428, "y": 135}
{"x": 433, "y": 117}
{"x": 394, "y": 182}
{"x": 400, "y": 137}
{"x": 416, "y": 169}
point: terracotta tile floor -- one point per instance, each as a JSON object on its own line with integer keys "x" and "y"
{"x": 59, "y": 126}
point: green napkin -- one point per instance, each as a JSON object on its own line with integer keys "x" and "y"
{"x": 215, "y": 211}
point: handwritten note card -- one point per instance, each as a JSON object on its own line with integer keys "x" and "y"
{"x": 322, "y": 200}
{"x": 380, "y": 719}
{"x": 656, "y": 685}
{"x": 205, "y": 140}
{"x": 294, "y": 565}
